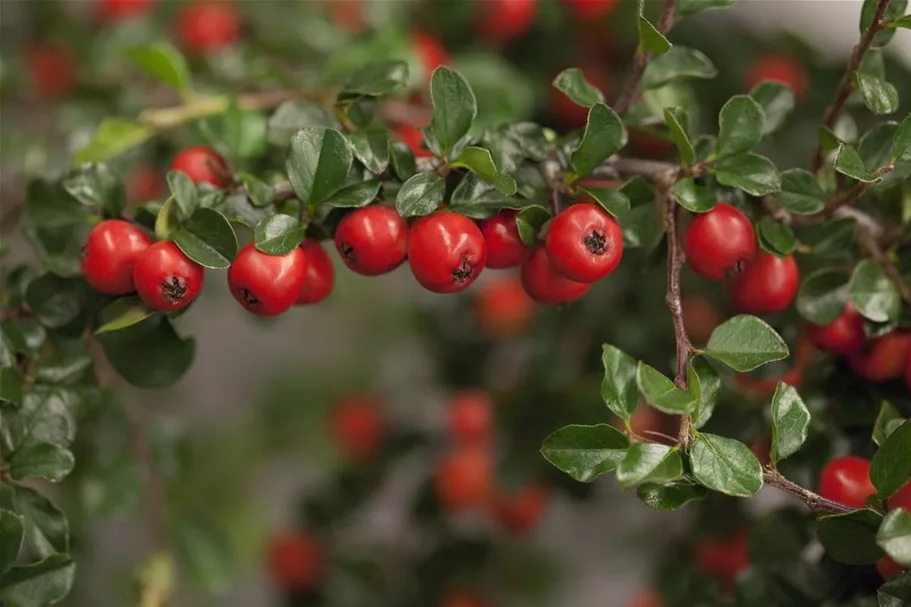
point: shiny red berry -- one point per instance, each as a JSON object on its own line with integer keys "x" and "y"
{"x": 358, "y": 426}
{"x": 464, "y": 479}
{"x": 320, "y": 274}
{"x": 203, "y": 165}
{"x": 372, "y": 240}
{"x": 844, "y": 335}
{"x": 584, "y": 243}
{"x": 590, "y": 10}
{"x": 503, "y": 307}
{"x": 504, "y": 247}
{"x": 521, "y": 512}
{"x": 118, "y": 10}
{"x": 504, "y": 20}
{"x": 206, "y": 27}
{"x": 846, "y": 480}
{"x": 901, "y": 498}
{"x": 779, "y": 68}
{"x": 719, "y": 242}
{"x": 888, "y": 569}
{"x": 267, "y": 285}
{"x": 470, "y": 415}
{"x": 766, "y": 285}
{"x": 413, "y": 137}
{"x": 568, "y": 113}
{"x": 109, "y": 254}
{"x": 724, "y": 558}
{"x": 52, "y": 70}
{"x": 295, "y": 561}
{"x": 545, "y": 284}
{"x": 145, "y": 184}
{"x": 430, "y": 52}
{"x": 165, "y": 278}
{"x": 446, "y": 252}
{"x": 883, "y": 358}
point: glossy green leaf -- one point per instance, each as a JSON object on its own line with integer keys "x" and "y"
{"x": 848, "y": 162}
{"x": 480, "y": 162}
{"x": 661, "y": 393}
{"x": 901, "y": 149}
{"x": 45, "y": 460}
{"x": 752, "y": 173}
{"x": 671, "y": 496}
{"x": 402, "y": 160}
{"x": 677, "y": 121}
{"x": 891, "y": 467}
{"x": 823, "y": 295}
{"x": 741, "y": 124}
{"x": 879, "y": 96}
{"x": 54, "y": 301}
{"x": 650, "y": 39}
{"x": 208, "y": 239}
{"x": 164, "y": 63}
{"x": 790, "y": 422}
{"x": 421, "y": 195}
{"x": 775, "y": 238}
{"x": 260, "y": 193}
{"x": 649, "y": 463}
{"x": 746, "y": 342}
{"x": 618, "y": 388}
{"x": 166, "y": 220}
{"x": 678, "y": 62}
{"x": 613, "y": 201}
{"x": 292, "y": 116}
{"x": 800, "y": 193}
{"x": 237, "y": 133}
{"x": 11, "y": 534}
{"x": 94, "y": 185}
{"x": 851, "y": 538}
{"x": 585, "y": 452}
{"x": 894, "y": 10}
{"x": 46, "y": 527}
{"x": 317, "y": 162}
{"x": 371, "y": 148}
{"x": 694, "y": 197}
{"x": 604, "y": 134}
{"x": 122, "y": 313}
{"x": 896, "y": 592}
{"x": 529, "y": 222}
{"x": 894, "y": 536}
{"x": 39, "y": 584}
{"x": 279, "y": 234}
{"x": 184, "y": 192}
{"x": 904, "y": 22}
{"x": 48, "y": 205}
{"x": 776, "y": 100}
{"x": 709, "y": 387}
{"x": 165, "y": 356}
{"x": 573, "y": 84}
{"x": 376, "y": 78}
{"x": 356, "y": 195}
{"x": 887, "y": 421}
{"x": 113, "y": 137}
{"x": 725, "y": 465}
{"x": 454, "y": 107}
{"x": 873, "y": 294}
{"x": 10, "y": 386}
{"x": 46, "y": 415}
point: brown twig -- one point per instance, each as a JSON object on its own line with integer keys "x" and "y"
{"x": 847, "y": 80}
{"x": 851, "y": 195}
{"x": 153, "y": 485}
{"x": 815, "y": 502}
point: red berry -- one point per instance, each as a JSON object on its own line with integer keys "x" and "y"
{"x": 504, "y": 247}
{"x": 372, "y": 240}
{"x": 413, "y": 137}
{"x": 545, "y": 284}
{"x": 504, "y": 308}
{"x": 724, "y": 559}
{"x": 165, "y": 278}
{"x": 464, "y": 600}
{"x": 522, "y": 511}
{"x": 590, "y": 10}
{"x": 296, "y": 561}
{"x": 267, "y": 285}
{"x": 205, "y": 27}
{"x": 650, "y": 423}
{"x": 719, "y": 242}
{"x": 430, "y": 53}
{"x": 109, "y": 254}
{"x": 446, "y": 252}
{"x": 584, "y": 243}
{"x": 145, "y": 184}
{"x": 700, "y": 317}
{"x": 779, "y": 68}
{"x": 52, "y": 70}
{"x": 320, "y": 274}
{"x": 463, "y": 479}
{"x": 846, "y": 480}
{"x": 883, "y": 358}
{"x": 888, "y": 569}
{"x": 471, "y": 416}
{"x": 203, "y": 165}
{"x": 358, "y": 426}
{"x": 505, "y": 20}
{"x": 567, "y": 112}
{"x": 844, "y": 335}
{"x": 118, "y": 10}
{"x": 766, "y": 285}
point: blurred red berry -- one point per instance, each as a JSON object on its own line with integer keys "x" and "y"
{"x": 504, "y": 20}
{"x": 723, "y": 558}
{"x": 52, "y": 70}
{"x": 521, "y": 512}
{"x": 888, "y": 569}
{"x": 470, "y": 415}
{"x": 430, "y": 52}
{"x": 358, "y": 426}
{"x": 295, "y": 561}
{"x": 779, "y": 68}
{"x": 145, "y": 184}
{"x": 205, "y": 26}
{"x": 503, "y": 307}
{"x": 590, "y": 10}
{"x": 464, "y": 479}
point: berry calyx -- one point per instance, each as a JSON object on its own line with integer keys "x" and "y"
{"x": 430, "y": 52}
{"x": 846, "y": 480}
{"x": 545, "y": 284}
{"x": 205, "y": 27}
{"x": 888, "y": 569}
{"x": 504, "y": 20}
{"x": 464, "y": 479}
{"x": 372, "y": 240}
{"x": 844, "y": 335}
{"x": 766, "y": 285}
{"x": 446, "y": 252}
{"x": 470, "y": 414}
{"x": 203, "y": 165}
{"x": 719, "y": 242}
{"x": 779, "y": 68}
{"x": 320, "y": 274}
{"x": 52, "y": 70}
{"x": 165, "y": 278}
{"x": 504, "y": 246}
{"x": 584, "y": 243}
{"x": 118, "y": 10}
{"x": 295, "y": 561}
{"x": 503, "y": 307}
{"x": 358, "y": 426}
{"x": 723, "y": 558}
{"x": 267, "y": 285}
{"x": 521, "y": 511}
{"x": 883, "y": 358}
{"x": 109, "y": 255}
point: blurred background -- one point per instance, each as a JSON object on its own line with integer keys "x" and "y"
{"x": 247, "y": 441}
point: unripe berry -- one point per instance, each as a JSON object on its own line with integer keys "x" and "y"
{"x": 888, "y": 569}
{"x": 719, "y": 242}
{"x": 844, "y": 335}
{"x": 296, "y": 561}
{"x": 52, "y": 71}
{"x": 430, "y": 53}
{"x": 205, "y": 26}
{"x": 545, "y": 284}
{"x": 358, "y": 426}
{"x": 464, "y": 479}
{"x": 165, "y": 278}
{"x": 584, "y": 243}
{"x": 320, "y": 274}
{"x": 267, "y": 285}
{"x": 883, "y": 358}
{"x": 504, "y": 20}
{"x": 203, "y": 165}
{"x": 766, "y": 285}
{"x": 846, "y": 480}
{"x": 109, "y": 255}
{"x": 521, "y": 512}
{"x": 470, "y": 415}
{"x": 118, "y": 10}
{"x": 446, "y": 252}
{"x": 503, "y": 307}
{"x": 504, "y": 246}
{"x": 724, "y": 558}
{"x": 372, "y": 240}
{"x": 779, "y": 68}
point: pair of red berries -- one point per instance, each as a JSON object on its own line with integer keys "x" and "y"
{"x": 722, "y": 243}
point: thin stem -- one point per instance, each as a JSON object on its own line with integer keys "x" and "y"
{"x": 815, "y": 502}
{"x": 847, "y": 80}
{"x": 641, "y": 60}
{"x": 853, "y": 194}
{"x": 153, "y": 485}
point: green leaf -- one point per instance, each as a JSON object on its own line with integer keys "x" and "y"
{"x": 776, "y": 100}
{"x": 800, "y": 193}
{"x": 848, "y": 162}
{"x": 292, "y": 116}
{"x": 376, "y": 78}
{"x": 573, "y": 84}
{"x": 887, "y": 421}
{"x": 585, "y": 452}
{"x": 613, "y": 201}
{"x": 205, "y": 552}
{"x": 208, "y": 239}
{"x": 164, "y": 63}
{"x": 45, "y": 525}
{"x": 851, "y": 538}
{"x": 649, "y": 463}
{"x": 122, "y": 313}
{"x": 725, "y": 465}
{"x": 113, "y": 137}
{"x": 184, "y": 192}
{"x": 691, "y": 7}
{"x": 678, "y": 62}
{"x": 790, "y": 421}
{"x": 894, "y": 536}
{"x": 891, "y": 466}
{"x": 356, "y": 195}
{"x": 670, "y": 497}
{"x": 823, "y": 295}
{"x": 10, "y": 386}
{"x": 618, "y": 389}
{"x": 776, "y": 238}
{"x": 10, "y": 539}
{"x": 279, "y": 234}
{"x": 48, "y": 205}
{"x": 165, "y": 220}
{"x": 604, "y": 134}
{"x": 54, "y": 301}
{"x": 165, "y": 356}
{"x": 480, "y": 162}
{"x": 46, "y": 460}
{"x": 260, "y": 193}
{"x": 878, "y": 95}
{"x": 650, "y": 39}
{"x": 894, "y": 10}
{"x": 454, "y": 107}
{"x": 237, "y": 133}
{"x": 529, "y": 222}
{"x": 402, "y": 160}
{"x": 94, "y": 185}
{"x": 317, "y": 162}
{"x": 39, "y": 584}
{"x": 741, "y": 124}
{"x": 46, "y": 415}
{"x": 896, "y": 592}
{"x": 752, "y": 173}
{"x": 677, "y": 121}
{"x": 901, "y": 149}
{"x": 745, "y": 342}
{"x": 694, "y": 197}
{"x": 661, "y": 393}
{"x": 709, "y": 387}
{"x": 421, "y": 195}
{"x": 371, "y": 148}
{"x": 873, "y": 294}
{"x": 904, "y": 22}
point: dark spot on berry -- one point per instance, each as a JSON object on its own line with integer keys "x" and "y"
{"x": 347, "y": 251}
{"x": 596, "y": 243}
{"x": 174, "y": 289}
{"x": 249, "y": 298}
{"x": 463, "y": 272}
{"x": 737, "y": 268}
